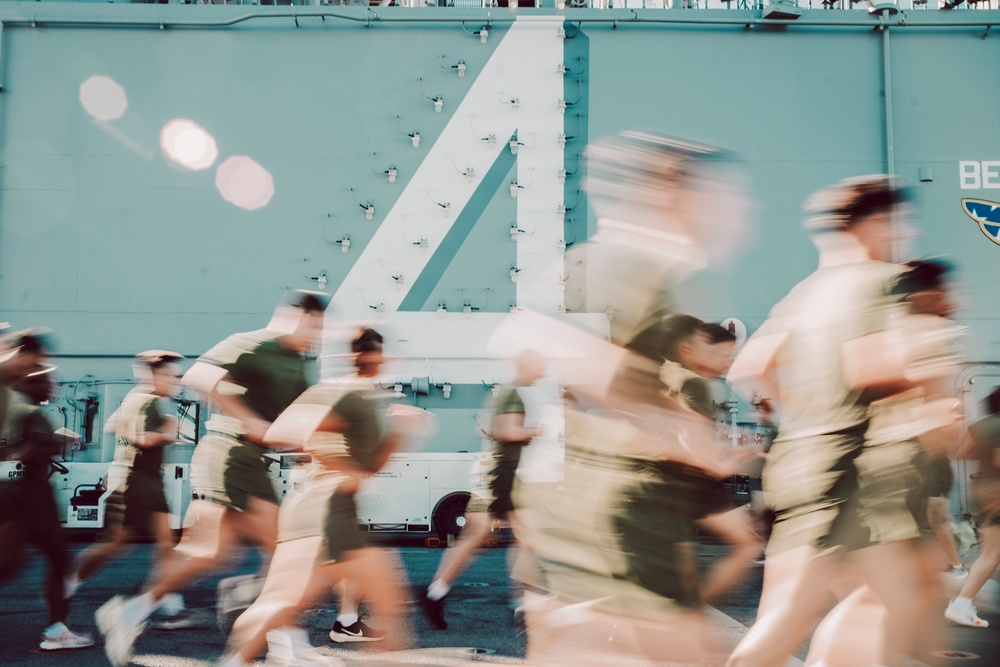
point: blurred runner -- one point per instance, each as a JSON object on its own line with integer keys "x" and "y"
{"x": 249, "y": 378}
{"x": 509, "y": 435}
{"x": 343, "y": 425}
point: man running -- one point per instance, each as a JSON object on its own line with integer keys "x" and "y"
{"x": 249, "y": 378}
{"x": 29, "y": 512}
{"x": 138, "y": 508}
{"x": 826, "y": 352}
{"x": 510, "y": 436}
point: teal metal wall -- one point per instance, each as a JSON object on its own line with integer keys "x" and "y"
{"x": 105, "y": 240}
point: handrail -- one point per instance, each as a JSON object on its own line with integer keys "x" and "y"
{"x": 615, "y": 18}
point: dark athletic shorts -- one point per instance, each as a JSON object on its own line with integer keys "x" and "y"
{"x": 229, "y": 472}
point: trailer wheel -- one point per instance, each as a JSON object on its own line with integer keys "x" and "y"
{"x": 449, "y": 517}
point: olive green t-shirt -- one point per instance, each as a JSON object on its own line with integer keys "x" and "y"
{"x": 364, "y": 439}
{"x": 140, "y": 413}
{"x": 986, "y": 434}
{"x": 689, "y": 389}
{"x": 509, "y": 402}
{"x": 32, "y": 435}
{"x": 269, "y": 375}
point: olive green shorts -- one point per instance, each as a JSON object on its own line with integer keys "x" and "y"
{"x": 316, "y": 510}
{"x": 133, "y": 504}
{"x": 228, "y": 471}
{"x": 812, "y": 485}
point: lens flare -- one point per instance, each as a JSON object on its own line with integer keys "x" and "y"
{"x": 103, "y": 98}
{"x": 243, "y": 182}
{"x": 188, "y": 144}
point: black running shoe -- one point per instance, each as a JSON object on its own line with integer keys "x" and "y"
{"x": 434, "y": 611}
{"x": 355, "y": 632}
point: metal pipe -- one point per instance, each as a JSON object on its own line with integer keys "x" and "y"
{"x": 617, "y": 20}
{"x": 890, "y": 148}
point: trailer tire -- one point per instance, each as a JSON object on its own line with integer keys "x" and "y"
{"x": 449, "y": 515}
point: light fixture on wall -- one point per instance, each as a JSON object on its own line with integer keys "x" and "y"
{"x": 561, "y": 175}
{"x": 321, "y": 280}
{"x": 398, "y": 279}
{"x": 397, "y": 390}
{"x": 345, "y": 244}
{"x": 561, "y": 104}
{"x": 484, "y": 34}
{"x": 414, "y": 136}
{"x": 458, "y": 67}
{"x": 495, "y": 389}
{"x": 491, "y": 139}
{"x": 515, "y": 232}
{"x": 561, "y": 68}
{"x": 561, "y": 140}
{"x": 423, "y": 243}
{"x": 368, "y": 207}
{"x": 390, "y": 172}
{"x": 446, "y": 390}
{"x": 442, "y": 309}
{"x": 445, "y": 206}
{"x": 469, "y": 173}
{"x": 436, "y": 99}
{"x": 514, "y": 145}
{"x": 514, "y": 271}
{"x": 514, "y": 187}
{"x": 467, "y": 309}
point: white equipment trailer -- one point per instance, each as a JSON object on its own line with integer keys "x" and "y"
{"x": 414, "y": 493}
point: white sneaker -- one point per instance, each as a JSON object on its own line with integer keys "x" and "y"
{"x": 967, "y": 616}
{"x": 64, "y": 641}
{"x": 121, "y": 624}
{"x": 284, "y": 651}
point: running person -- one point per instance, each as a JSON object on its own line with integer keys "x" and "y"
{"x": 827, "y": 350}
{"x": 697, "y": 353}
{"x": 138, "y": 508}
{"x": 343, "y": 425}
{"x": 249, "y": 378}
{"x": 33, "y": 516}
{"x": 910, "y": 434}
{"x": 510, "y": 436}
{"x": 982, "y": 444}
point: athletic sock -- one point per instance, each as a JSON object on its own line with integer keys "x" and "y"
{"x": 171, "y": 604}
{"x": 961, "y": 604}
{"x": 298, "y": 637}
{"x": 145, "y": 605}
{"x": 55, "y": 629}
{"x": 437, "y": 590}
{"x": 347, "y": 620}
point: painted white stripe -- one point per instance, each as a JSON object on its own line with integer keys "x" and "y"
{"x": 524, "y": 66}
